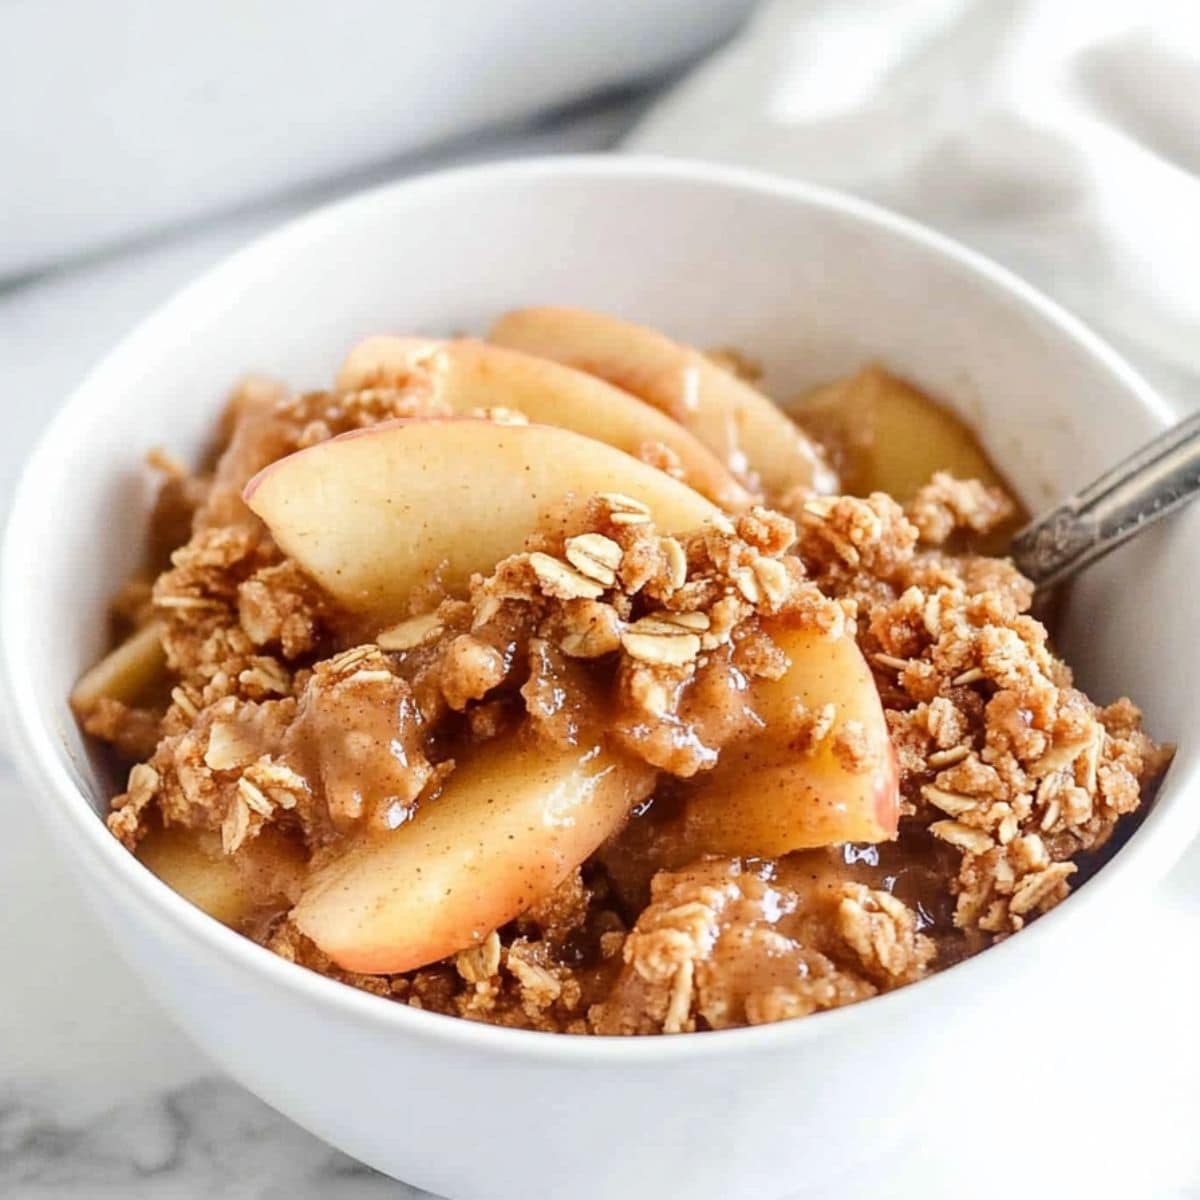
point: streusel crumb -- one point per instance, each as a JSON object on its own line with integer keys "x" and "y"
{"x": 283, "y": 721}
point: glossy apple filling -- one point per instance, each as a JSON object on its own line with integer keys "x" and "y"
{"x": 550, "y": 681}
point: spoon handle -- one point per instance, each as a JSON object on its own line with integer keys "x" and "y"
{"x": 1155, "y": 480}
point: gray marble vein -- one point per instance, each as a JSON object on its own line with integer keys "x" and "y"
{"x": 207, "y": 1138}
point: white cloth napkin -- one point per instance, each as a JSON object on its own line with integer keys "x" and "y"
{"x": 1062, "y": 139}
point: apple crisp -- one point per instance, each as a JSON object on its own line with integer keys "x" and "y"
{"x": 498, "y": 681}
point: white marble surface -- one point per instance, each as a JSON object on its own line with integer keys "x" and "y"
{"x": 101, "y": 1097}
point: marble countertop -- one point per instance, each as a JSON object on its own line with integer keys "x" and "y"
{"x": 102, "y": 1097}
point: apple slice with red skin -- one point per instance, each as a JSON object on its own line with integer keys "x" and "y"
{"x": 510, "y": 824}
{"x": 744, "y": 428}
{"x": 374, "y": 514}
{"x": 466, "y": 374}
{"x": 766, "y": 797}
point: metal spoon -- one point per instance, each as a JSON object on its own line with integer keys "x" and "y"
{"x": 1156, "y": 480}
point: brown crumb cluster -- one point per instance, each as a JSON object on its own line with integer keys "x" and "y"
{"x": 283, "y": 713}
{"x": 1000, "y": 757}
{"x": 696, "y": 956}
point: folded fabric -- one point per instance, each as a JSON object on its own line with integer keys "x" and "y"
{"x": 1061, "y": 139}
{"x": 124, "y": 117}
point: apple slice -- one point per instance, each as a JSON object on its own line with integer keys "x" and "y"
{"x": 125, "y": 673}
{"x": 510, "y": 824}
{"x": 467, "y": 374}
{"x": 739, "y": 424}
{"x": 893, "y": 437}
{"x": 263, "y": 874}
{"x": 766, "y": 798}
{"x": 373, "y": 514}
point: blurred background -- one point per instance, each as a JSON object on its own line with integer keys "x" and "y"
{"x": 141, "y": 141}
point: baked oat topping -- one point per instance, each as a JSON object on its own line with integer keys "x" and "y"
{"x": 292, "y": 737}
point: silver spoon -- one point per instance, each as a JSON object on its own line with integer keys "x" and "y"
{"x": 1156, "y": 480}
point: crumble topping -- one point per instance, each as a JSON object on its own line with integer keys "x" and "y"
{"x": 285, "y": 713}
{"x": 1000, "y": 757}
{"x": 698, "y": 950}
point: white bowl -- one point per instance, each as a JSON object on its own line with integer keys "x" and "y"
{"x": 812, "y": 283}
